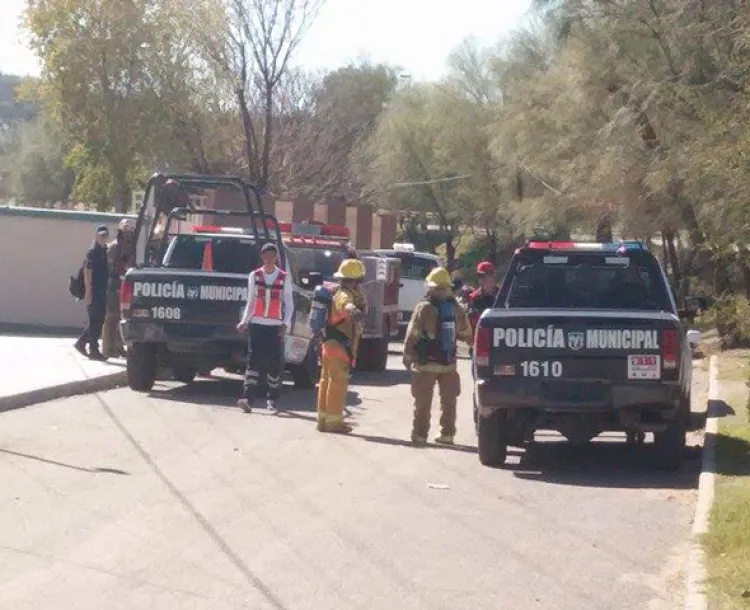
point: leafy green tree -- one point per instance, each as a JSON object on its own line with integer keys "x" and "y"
{"x": 115, "y": 75}
{"x": 38, "y": 173}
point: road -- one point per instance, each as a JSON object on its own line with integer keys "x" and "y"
{"x": 178, "y": 500}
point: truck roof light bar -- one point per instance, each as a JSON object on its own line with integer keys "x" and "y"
{"x": 314, "y": 229}
{"x": 219, "y": 229}
{"x": 622, "y": 246}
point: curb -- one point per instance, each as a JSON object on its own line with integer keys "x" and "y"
{"x": 696, "y": 571}
{"x": 63, "y": 390}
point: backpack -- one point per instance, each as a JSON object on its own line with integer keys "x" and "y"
{"x": 442, "y": 348}
{"x": 77, "y": 286}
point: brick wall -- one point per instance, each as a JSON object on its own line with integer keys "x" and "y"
{"x": 369, "y": 229}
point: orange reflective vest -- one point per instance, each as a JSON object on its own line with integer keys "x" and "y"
{"x": 269, "y": 298}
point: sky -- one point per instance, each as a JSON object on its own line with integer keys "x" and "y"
{"x": 415, "y": 35}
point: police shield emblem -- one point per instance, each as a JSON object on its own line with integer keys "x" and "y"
{"x": 193, "y": 292}
{"x": 575, "y": 341}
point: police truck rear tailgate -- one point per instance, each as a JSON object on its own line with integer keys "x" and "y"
{"x": 189, "y": 305}
{"x": 576, "y": 359}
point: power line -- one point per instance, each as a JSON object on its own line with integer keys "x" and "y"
{"x": 436, "y": 181}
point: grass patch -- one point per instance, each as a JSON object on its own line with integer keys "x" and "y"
{"x": 727, "y": 543}
{"x": 734, "y": 365}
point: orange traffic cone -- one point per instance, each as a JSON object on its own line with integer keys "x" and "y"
{"x": 208, "y": 257}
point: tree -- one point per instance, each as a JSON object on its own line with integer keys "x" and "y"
{"x": 108, "y": 69}
{"x": 263, "y": 35}
{"x": 429, "y": 155}
{"x": 322, "y": 127}
{"x": 38, "y": 172}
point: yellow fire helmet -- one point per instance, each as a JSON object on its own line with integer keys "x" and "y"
{"x": 439, "y": 278}
{"x": 350, "y": 269}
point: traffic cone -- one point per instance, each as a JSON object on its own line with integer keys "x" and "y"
{"x": 208, "y": 257}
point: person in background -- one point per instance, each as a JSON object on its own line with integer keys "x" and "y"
{"x": 483, "y": 297}
{"x": 340, "y": 345}
{"x": 430, "y": 347}
{"x": 121, "y": 256}
{"x": 96, "y": 278}
{"x": 268, "y": 315}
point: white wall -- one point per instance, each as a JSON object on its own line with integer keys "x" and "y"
{"x": 39, "y": 250}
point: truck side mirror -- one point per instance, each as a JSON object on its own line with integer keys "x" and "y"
{"x": 693, "y": 307}
{"x": 311, "y": 279}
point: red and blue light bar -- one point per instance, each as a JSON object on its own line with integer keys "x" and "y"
{"x": 285, "y": 228}
{"x": 622, "y": 246}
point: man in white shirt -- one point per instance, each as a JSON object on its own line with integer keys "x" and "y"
{"x": 268, "y": 315}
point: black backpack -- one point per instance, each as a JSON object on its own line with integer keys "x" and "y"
{"x": 76, "y": 285}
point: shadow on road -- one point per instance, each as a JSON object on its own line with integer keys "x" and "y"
{"x": 222, "y": 392}
{"x": 604, "y": 464}
{"x": 37, "y": 458}
{"x": 387, "y": 378}
{"x": 403, "y": 442}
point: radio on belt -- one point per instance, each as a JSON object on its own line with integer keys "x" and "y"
{"x": 585, "y": 338}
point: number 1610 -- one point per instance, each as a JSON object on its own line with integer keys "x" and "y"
{"x": 544, "y": 368}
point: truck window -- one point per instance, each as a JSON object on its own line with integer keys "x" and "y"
{"x": 230, "y": 255}
{"x": 415, "y": 267}
{"x": 305, "y": 260}
{"x": 590, "y": 281}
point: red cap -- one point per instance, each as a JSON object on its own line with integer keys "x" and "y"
{"x": 485, "y": 268}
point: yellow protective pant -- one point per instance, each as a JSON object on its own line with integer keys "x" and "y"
{"x": 423, "y": 389}
{"x": 334, "y": 383}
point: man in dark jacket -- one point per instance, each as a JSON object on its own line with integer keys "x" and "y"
{"x": 96, "y": 278}
{"x": 121, "y": 256}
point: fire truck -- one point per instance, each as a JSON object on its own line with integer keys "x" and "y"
{"x": 315, "y": 251}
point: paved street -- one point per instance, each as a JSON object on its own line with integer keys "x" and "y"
{"x": 178, "y": 500}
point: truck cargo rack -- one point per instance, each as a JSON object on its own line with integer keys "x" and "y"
{"x": 265, "y": 226}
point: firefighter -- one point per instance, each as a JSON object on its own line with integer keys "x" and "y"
{"x": 268, "y": 315}
{"x": 121, "y": 256}
{"x": 340, "y": 344}
{"x": 437, "y": 323}
{"x": 483, "y": 297}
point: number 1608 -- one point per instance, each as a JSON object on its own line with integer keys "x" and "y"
{"x": 544, "y": 368}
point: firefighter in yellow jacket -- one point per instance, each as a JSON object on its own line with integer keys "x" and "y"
{"x": 342, "y": 335}
{"x": 436, "y": 325}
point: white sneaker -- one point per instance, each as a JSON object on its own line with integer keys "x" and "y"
{"x": 244, "y": 404}
{"x": 271, "y": 406}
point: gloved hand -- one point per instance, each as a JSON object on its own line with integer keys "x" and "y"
{"x": 357, "y": 316}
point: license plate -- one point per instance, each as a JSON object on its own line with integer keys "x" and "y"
{"x": 644, "y": 367}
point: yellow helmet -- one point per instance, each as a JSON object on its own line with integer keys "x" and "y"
{"x": 350, "y": 269}
{"x": 439, "y": 278}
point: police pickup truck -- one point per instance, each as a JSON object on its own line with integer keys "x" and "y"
{"x": 583, "y": 338}
{"x": 181, "y": 304}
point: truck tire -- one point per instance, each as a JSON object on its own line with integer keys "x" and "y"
{"x": 373, "y": 354}
{"x": 491, "y": 439}
{"x": 184, "y": 374}
{"x": 141, "y": 367}
{"x": 669, "y": 447}
{"x": 305, "y": 375}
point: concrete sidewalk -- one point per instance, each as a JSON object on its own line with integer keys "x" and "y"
{"x": 37, "y": 369}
